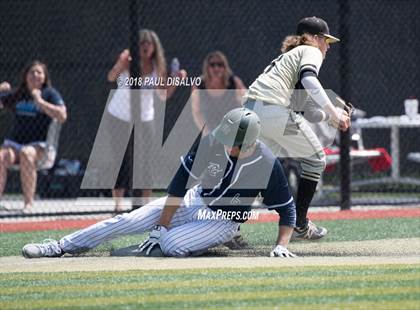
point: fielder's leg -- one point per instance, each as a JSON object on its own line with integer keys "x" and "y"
{"x": 312, "y": 168}
{"x": 312, "y": 160}
{"x": 289, "y": 135}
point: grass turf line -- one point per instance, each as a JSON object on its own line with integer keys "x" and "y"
{"x": 343, "y": 287}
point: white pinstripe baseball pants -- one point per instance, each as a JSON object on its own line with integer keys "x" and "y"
{"x": 187, "y": 235}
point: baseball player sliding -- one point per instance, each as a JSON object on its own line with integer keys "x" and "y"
{"x": 286, "y": 132}
{"x": 229, "y": 169}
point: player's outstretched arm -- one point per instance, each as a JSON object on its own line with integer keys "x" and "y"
{"x": 285, "y": 233}
{"x": 338, "y": 117}
{"x": 286, "y": 224}
{"x": 277, "y": 197}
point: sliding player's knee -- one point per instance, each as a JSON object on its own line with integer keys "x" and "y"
{"x": 151, "y": 206}
{"x": 152, "y": 209}
{"x": 173, "y": 247}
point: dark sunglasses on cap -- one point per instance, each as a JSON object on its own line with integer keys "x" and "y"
{"x": 217, "y": 64}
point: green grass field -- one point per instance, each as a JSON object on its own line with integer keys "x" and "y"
{"x": 383, "y": 286}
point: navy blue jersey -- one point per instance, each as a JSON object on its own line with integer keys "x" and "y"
{"x": 231, "y": 184}
{"x": 31, "y": 124}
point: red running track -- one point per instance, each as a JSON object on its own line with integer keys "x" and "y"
{"x": 263, "y": 218}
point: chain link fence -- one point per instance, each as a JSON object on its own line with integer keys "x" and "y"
{"x": 376, "y": 67}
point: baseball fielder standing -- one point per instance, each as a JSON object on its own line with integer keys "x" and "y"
{"x": 286, "y": 132}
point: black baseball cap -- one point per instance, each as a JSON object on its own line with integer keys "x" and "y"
{"x": 315, "y": 25}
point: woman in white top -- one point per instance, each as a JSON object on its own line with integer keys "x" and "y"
{"x": 153, "y": 66}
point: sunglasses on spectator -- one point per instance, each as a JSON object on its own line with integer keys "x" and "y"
{"x": 217, "y": 64}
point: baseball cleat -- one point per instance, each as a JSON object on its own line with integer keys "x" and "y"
{"x": 50, "y": 248}
{"x": 310, "y": 232}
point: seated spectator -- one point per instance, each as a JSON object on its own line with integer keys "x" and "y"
{"x": 35, "y": 104}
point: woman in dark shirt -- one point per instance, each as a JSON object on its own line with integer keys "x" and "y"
{"x": 35, "y": 104}
{"x": 219, "y": 92}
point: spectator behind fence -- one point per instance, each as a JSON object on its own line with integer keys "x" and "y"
{"x": 219, "y": 92}
{"x": 35, "y": 104}
{"x": 153, "y": 66}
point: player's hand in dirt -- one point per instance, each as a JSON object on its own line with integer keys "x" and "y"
{"x": 281, "y": 251}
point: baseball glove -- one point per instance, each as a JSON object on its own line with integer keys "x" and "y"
{"x": 346, "y": 106}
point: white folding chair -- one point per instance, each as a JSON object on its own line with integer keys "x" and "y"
{"x": 53, "y": 136}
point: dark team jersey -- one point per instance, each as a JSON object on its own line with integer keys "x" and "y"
{"x": 31, "y": 124}
{"x": 231, "y": 184}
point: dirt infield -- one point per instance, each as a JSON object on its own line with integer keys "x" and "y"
{"x": 372, "y": 252}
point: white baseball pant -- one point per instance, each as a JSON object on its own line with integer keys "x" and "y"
{"x": 187, "y": 234}
{"x": 288, "y": 134}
